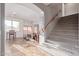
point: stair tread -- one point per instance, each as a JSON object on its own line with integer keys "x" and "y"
{"x": 65, "y": 33}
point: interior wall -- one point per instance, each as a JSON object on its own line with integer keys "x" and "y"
{"x": 78, "y": 30}
{"x": 2, "y": 36}
{"x": 0, "y": 29}
{"x": 78, "y": 24}
{"x": 70, "y": 8}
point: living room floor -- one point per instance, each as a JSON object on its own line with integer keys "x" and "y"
{"x": 21, "y": 47}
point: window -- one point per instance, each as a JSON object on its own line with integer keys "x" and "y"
{"x": 16, "y": 24}
{"x": 8, "y": 25}
{"x": 35, "y": 29}
{"x": 28, "y": 29}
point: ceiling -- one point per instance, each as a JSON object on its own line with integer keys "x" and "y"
{"x": 46, "y": 3}
{"x": 26, "y": 11}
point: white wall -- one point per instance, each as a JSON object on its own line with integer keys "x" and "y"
{"x": 2, "y": 36}
{"x": 78, "y": 28}
{"x": 0, "y": 29}
{"x": 70, "y": 8}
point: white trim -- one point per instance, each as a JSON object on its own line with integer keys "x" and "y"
{"x": 63, "y": 10}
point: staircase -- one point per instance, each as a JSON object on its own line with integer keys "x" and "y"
{"x": 64, "y": 35}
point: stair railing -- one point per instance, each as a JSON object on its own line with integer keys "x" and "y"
{"x": 51, "y": 20}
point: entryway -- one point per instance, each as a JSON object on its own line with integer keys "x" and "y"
{"x": 31, "y": 32}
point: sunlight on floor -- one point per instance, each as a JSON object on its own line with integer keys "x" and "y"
{"x": 20, "y": 47}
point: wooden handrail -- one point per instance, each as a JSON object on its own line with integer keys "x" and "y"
{"x": 51, "y": 20}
